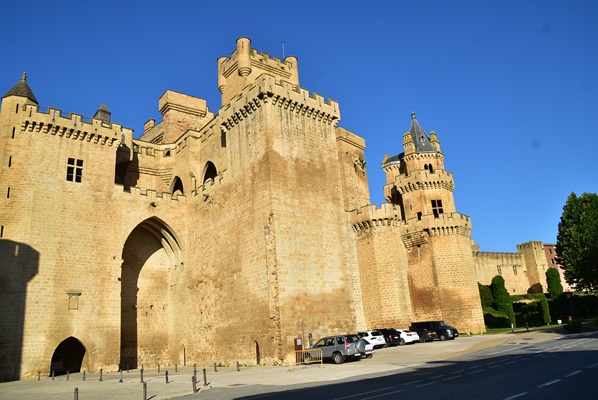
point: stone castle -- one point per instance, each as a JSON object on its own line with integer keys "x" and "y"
{"x": 218, "y": 237}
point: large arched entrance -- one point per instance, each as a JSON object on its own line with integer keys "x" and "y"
{"x": 68, "y": 357}
{"x": 149, "y": 253}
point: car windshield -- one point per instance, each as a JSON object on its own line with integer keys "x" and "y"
{"x": 442, "y": 323}
{"x": 376, "y": 333}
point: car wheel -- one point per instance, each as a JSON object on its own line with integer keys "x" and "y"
{"x": 370, "y": 355}
{"x": 402, "y": 342}
{"x": 337, "y": 358}
{"x": 442, "y": 337}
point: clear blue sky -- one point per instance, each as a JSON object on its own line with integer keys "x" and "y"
{"x": 510, "y": 87}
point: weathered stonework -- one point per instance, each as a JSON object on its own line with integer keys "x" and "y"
{"x": 215, "y": 238}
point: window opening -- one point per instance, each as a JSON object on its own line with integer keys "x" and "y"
{"x": 222, "y": 139}
{"x": 514, "y": 270}
{"x": 1, "y": 231}
{"x": 8, "y": 193}
{"x": 74, "y": 170}
{"x": 437, "y": 208}
{"x": 9, "y": 161}
{"x": 499, "y": 269}
{"x": 13, "y": 133}
{"x": 419, "y": 216}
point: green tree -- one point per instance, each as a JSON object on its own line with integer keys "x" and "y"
{"x": 577, "y": 241}
{"x": 545, "y": 309}
{"x": 485, "y": 296}
{"x": 553, "y": 281}
{"x": 502, "y": 298}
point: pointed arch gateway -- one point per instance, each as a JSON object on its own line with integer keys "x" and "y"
{"x": 150, "y": 254}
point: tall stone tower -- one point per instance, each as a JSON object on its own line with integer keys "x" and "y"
{"x": 442, "y": 277}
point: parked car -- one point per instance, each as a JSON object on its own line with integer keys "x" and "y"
{"x": 391, "y": 336}
{"x": 442, "y": 329}
{"x": 407, "y": 337}
{"x": 339, "y": 348}
{"x": 425, "y": 335}
{"x": 364, "y": 347}
{"x": 374, "y": 337}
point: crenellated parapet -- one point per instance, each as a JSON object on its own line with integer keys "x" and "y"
{"x": 246, "y": 64}
{"x": 415, "y": 230}
{"x": 370, "y": 217}
{"x": 153, "y": 198}
{"x": 73, "y": 127}
{"x": 268, "y": 90}
{"x": 423, "y": 180}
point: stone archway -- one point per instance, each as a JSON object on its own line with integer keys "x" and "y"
{"x": 149, "y": 253}
{"x": 68, "y": 357}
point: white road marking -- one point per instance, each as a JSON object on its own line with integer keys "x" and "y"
{"x": 361, "y": 394}
{"x": 382, "y": 395}
{"x": 515, "y": 396}
{"x": 549, "y": 383}
{"x": 573, "y": 373}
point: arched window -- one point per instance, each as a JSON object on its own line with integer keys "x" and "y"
{"x": 210, "y": 172}
{"x": 177, "y": 187}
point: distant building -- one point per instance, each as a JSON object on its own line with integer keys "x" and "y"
{"x": 550, "y": 251}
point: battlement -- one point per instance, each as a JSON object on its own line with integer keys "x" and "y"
{"x": 74, "y": 126}
{"x": 423, "y": 180}
{"x": 246, "y": 64}
{"x": 370, "y": 216}
{"x": 443, "y": 224}
{"x": 153, "y": 198}
{"x": 267, "y": 89}
{"x": 531, "y": 245}
{"x": 504, "y": 257}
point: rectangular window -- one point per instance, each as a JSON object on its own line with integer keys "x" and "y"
{"x": 514, "y": 270}
{"x": 437, "y": 208}
{"x": 74, "y": 170}
{"x": 499, "y": 269}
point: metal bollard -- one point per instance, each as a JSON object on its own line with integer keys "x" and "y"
{"x": 127, "y": 368}
{"x": 76, "y": 393}
{"x": 176, "y": 368}
{"x": 38, "y": 375}
{"x": 141, "y": 375}
{"x": 238, "y": 367}
{"x": 144, "y": 391}
{"x": 166, "y": 373}
{"x": 101, "y": 374}
{"x": 52, "y": 374}
{"x": 84, "y": 375}
{"x": 158, "y": 368}
{"x": 195, "y": 371}
{"x": 67, "y": 375}
{"x": 205, "y": 378}
{"x": 215, "y": 368}
{"x": 121, "y": 376}
{"x": 194, "y": 384}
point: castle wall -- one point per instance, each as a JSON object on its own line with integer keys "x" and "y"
{"x": 511, "y": 266}
{"x": 383, "y": 267}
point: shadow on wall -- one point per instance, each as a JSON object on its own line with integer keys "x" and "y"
{"x": 19, "y": 263}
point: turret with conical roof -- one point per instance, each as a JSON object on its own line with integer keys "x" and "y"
{"x": 22, "y": 89}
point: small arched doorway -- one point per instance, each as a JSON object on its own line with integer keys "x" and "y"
{"x": 68, "y": 357}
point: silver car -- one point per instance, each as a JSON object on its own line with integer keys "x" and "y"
{"x": 339, "y": 348}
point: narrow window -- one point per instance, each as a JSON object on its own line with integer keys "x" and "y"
{"x": 13, "y": 133}
{"x": 17, "y": 110}
{"x": 431, "y": 168}
{"x": 437, "y": 208}
{"x": 1, "y": 231}
{"x": 426, "y": 167}
{"x": 9, "y": 161}
{"x": 514, "y": 270}
{"x": 222, "y": 139}
{"x": 499, "y": 269}
{"x": 74, "y": 170}
{"x": 419, "y": 216}
{"x": 8, "y": 193}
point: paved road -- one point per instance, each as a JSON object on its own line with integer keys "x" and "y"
{"x": 465, "y": 367}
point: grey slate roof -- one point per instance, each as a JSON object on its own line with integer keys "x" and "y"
{"x": 22, "y": 89}
{"x": 420, "y": 138}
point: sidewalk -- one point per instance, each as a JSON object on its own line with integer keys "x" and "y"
{"x": 180, "y": 383}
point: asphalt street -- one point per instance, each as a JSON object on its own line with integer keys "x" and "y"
{"x": 525, "y": 365}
